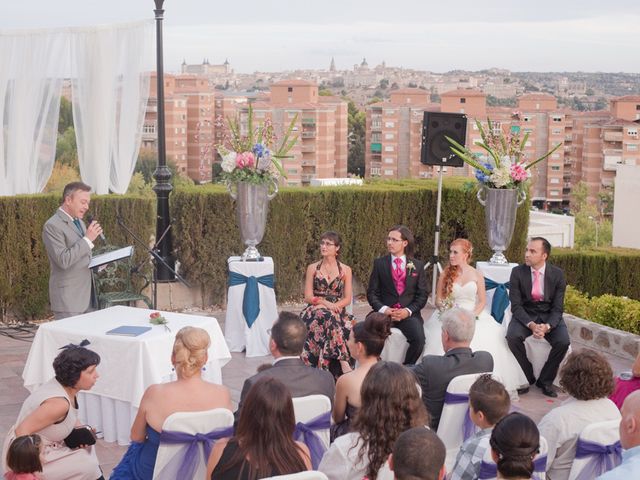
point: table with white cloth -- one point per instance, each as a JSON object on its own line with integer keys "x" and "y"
{"x": 238, "y": 334}
{"x": 499, "y": 274}
{"x": 128, "y": 365}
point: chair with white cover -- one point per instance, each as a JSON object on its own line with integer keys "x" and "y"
{"x": 598, "y": 450}
{"x": 489, "y": 469}
{"x": 313, "y": 422}
{"x": 395, "y": 347}
{"x": 537, "y": 352}
{"x": 179, "y": 453}
{"x": 308, "y": 475}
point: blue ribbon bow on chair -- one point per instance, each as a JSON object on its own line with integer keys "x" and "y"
{"x": 500, "y": 300}
{"x": 251, "y": 298}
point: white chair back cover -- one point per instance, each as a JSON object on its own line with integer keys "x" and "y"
{"x": 539, "y": 461}
{"x": 192, "y": 423}
{"x": 395, "y": 347}
{"x": 310, "y": 407}
{"x": 309, "y": 475}
{"x": 604, "y": 433}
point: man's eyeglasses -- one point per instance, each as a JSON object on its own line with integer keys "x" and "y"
{"x": 394, "y": 240}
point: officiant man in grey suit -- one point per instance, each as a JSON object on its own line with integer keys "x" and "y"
{"x": 68, "y": 242}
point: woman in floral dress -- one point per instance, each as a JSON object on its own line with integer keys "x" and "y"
{"x": 328, "y": 291}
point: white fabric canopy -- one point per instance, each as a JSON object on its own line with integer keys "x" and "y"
{"x": 109, "y": 68}
{"x": 110, "y": 85}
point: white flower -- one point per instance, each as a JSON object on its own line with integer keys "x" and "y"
{"x": 265, "y": 161}
{"x": 229, "y": 162}
{"x": 501, "y": 176}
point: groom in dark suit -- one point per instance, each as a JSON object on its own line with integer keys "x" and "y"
{"x": 398, "y": 288}
{"x": 537, "y": 302}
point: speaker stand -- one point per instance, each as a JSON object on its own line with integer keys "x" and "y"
{"x": 434, "y": 261}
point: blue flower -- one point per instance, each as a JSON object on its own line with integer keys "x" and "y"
{"x": 258, "y": 150}
{"x": 481, "y": 176}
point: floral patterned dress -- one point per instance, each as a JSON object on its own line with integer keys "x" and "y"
{"x": 328, "y": 331}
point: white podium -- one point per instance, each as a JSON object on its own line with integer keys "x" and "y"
{"x": 237, "y": 333}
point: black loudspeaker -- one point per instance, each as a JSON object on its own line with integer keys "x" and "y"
{"x": 435, "y": 147}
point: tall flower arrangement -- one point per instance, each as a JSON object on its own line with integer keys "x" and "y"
{"x": 254, "y": 157}
{"x": 506, "y": 168}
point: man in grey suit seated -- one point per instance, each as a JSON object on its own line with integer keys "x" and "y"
{"x": 288, "y": 335}
{"x": 68, "y": 242}
{"x": 436, "y": 371}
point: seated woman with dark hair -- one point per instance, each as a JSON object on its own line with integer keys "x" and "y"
{"x": 189, "y": 393}
{"x": 51, "y": 411}
{"x": 263, "y": 444}
{"x": 588, "y": 378}
{"x": 515, "y": 441}
{"x": 366, "y": 342}
{"x": 391, "y": 404}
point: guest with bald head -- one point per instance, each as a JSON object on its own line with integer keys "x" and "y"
{"x": 629, "y": 439}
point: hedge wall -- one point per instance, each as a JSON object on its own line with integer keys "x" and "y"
{"x": 602, "y": 271}
{"x": 615, "y": 312}
{"x": 205, "y": 233}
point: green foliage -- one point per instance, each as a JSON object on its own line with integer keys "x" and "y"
{"x": 138, "y": 186}
{"x": 615, "y": 312}
{"x": 67, "y": 149}
{"x": 356, "y": 121}
{"x": 591, "y": 228}
{"x": 65, "y": 119}
{"x": 60, "y": 176}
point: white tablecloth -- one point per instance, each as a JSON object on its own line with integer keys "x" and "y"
{"x": 236, "y": 331}
{"x": 128, "y": 364}
{"x": 499, "y": 274}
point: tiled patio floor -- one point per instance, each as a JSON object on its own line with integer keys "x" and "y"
{"x": 13, "y": 355}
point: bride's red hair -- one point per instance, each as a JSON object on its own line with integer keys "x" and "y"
{"x": 452, "y": 272}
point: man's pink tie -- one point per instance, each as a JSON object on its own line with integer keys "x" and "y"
{"x": 536, "y": 291}
{"x": 399, "y": 276}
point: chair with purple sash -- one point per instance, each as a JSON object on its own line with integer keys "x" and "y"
{"x": 313, "y": 421}
{"x": 308, "y": 475}
{"x": 598, "y": 450}
{"x": 184, "y": 436}
{"x": 489, "y": 469}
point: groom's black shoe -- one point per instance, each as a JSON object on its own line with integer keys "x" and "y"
{"x": 548, "y": 390}
{"x": 523, "y": 390}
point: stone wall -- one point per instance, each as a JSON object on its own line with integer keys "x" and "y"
{"x": 604, "y": 339}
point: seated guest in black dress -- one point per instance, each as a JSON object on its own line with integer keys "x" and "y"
{"x": 263, "y": 444}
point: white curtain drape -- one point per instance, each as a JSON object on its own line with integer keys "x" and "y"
{"x": 32, "y": 68}
{"x": 110, "y": 86}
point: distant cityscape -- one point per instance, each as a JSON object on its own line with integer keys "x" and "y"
{"x": 593, "y": 115}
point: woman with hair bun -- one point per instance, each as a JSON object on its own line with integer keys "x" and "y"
{"x": 366, "y": 342}
{"x": 462, "y": 286}
{"x": 515, "y": 441}
{"x": 189, "y": 393}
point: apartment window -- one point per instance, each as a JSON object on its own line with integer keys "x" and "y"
{"x": 496, "y": 128}
{"x": 176, "y": 129}
{"x": 388, "y": 172}
{"x": 554, "y": 180}
{"x": 149, "y": 128}
{"x": 632, "y": 147}
{"x": 556, "y": 118}
{"x": 633, "y": 132}
{"x": 527, "y": 119}
{"x": 289, "y": 89}
{"x": 554, "y": 193}
{"x": 388, "y": 148}
{"x": 637, "y": 107}
{"x": 375, "y": 170}
{"x": 183, "y": 130}
{"x": 463, "y": 100}
{"x": 388, "y": 160}
{"x": 556, "y": 131}
{"x": 389, "y": 112}
{"x": 389, "y": 136}
{"x": 555, "y": 168}
{"x": 292, "y": 170}
{"x": 555, "y": 155}
{"x": 376, "y": 137}
{"x": 389, "y": 124}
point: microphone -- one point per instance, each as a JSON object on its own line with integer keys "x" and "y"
{"x": 90, "y": 219}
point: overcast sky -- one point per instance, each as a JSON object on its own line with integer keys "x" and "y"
{"x": 273, "y": 35}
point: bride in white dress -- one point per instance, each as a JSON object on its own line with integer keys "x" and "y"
{"x": 462, "y": 286}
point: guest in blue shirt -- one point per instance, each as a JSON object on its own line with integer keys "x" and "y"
{"x": 629, "y": 439}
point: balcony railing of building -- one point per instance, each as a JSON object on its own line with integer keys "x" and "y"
{"x": 308, "y": 163}
{"x": 376, "y": 148}
{"x": 612, "y": 136}
{"x": 307, "y": 148}
{"x": 376, "y": 125}
{"x": 306, "y": 178}
{"x": 308, "y": 134}
{"x": 308, "y": 122}
{"x": 612, "y": 151}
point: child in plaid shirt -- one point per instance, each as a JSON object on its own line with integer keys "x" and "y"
{"x": 488, "y": 402}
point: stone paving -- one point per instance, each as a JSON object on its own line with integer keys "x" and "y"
{"x": 13, "y": 355}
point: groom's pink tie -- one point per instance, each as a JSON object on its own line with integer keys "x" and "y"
{"x": 536, "y": 291}
{"x": 399, "y": 276}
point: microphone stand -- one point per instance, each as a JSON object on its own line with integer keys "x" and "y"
{"x": 157, "y": 259}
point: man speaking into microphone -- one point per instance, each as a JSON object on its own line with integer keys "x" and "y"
{"x": 68, "y": 242}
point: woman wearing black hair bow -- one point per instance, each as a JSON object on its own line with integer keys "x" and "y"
{"x": 51, "y": 411}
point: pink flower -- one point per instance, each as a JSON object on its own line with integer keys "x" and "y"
{"x": 245, "y": 160}
{"x": 518, "y": 172}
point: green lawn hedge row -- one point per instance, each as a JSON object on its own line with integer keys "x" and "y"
{"x": 617, "y": 312}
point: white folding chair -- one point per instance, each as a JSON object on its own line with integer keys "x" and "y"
{"x": 308, "y": 475}
{"x": 489, "y": 469}
{"x": 450, "y": 428}
{"x": 537, "y": 352}
{"x": 395, "y": 347}
{"x": 310, "y": 407}
{"x": 191, "y": 423}
{"x": 604, "y": 434}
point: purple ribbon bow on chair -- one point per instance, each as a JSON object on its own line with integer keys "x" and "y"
{"x": 602, "y": 458}
{"x": 183, "y": 465}
{"x": 489, "y": 470}
{"x": 311, "y": 439}
{"x": 468, "y": 427}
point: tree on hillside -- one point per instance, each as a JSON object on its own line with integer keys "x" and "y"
{"x": 356, "y": 137}
{"x": 67, "y": 149}
{"x": 65, "y": 119}
{"x": 588, "y": 222}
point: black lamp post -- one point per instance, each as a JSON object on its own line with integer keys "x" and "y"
{"x": 162, "y": 174}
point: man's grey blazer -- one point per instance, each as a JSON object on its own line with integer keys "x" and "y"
{"x": 69, "y": 256}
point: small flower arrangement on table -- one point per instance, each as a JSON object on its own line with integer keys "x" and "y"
{"x": 256, "y": 156}
{"x": 506, "y": 168}
{"x": 156, "y": 318}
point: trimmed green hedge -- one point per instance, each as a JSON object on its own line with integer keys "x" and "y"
{"x": 205, "y": 233}
{"x": 601, "y": 271}
{"x": 616, "y": 312}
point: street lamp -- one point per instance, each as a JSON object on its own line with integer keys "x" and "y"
{"x": 162, "y": 174}
{"x": 595, "y": 220}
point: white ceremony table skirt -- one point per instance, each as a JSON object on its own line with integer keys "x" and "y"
{"x": 239, "y": 336}
{"x": 128, "y": 364}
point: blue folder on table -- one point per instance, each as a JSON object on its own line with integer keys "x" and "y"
{"x": 129, "y": 330}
